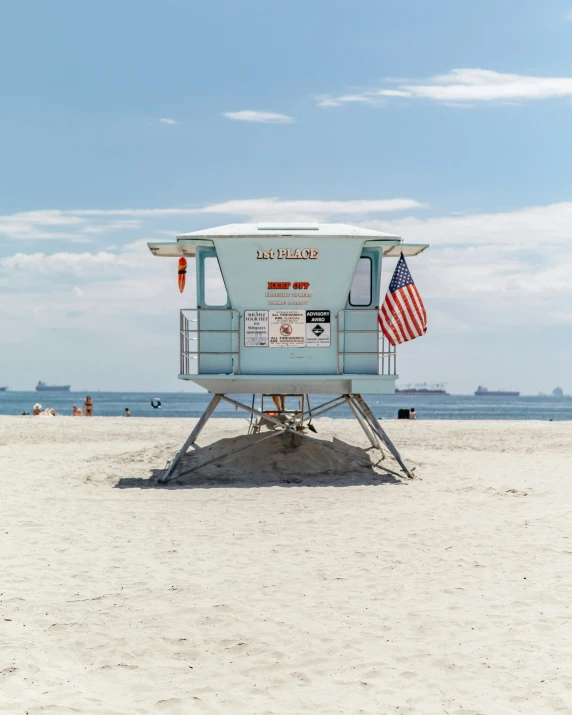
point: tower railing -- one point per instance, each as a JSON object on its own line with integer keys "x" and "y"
{"x": 382, "y": 348}
{"x": 191, "y": 332}
{"x": 348, "y": 342}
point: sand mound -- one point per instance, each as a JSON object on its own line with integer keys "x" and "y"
{"x": 281, "y": 456}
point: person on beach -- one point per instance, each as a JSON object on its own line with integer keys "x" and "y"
{"x": 88, "y": 406}
{"x": 76, "y": 412}
{"x": 48, "y": 412}
{"x": 412, "y": 414}
{"x": 127, "y": 413}
{"x": 279, "y": 402}
{"x": 37, "y": 409}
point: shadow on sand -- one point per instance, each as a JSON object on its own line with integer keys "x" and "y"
{"x": 286, "y": 460}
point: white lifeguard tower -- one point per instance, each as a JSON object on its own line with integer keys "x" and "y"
{"x": 288, "y": 310}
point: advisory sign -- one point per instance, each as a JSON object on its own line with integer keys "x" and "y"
{"x": 255, "y": 328}
{"x": 287, "y": 328}
{"x": 318, "y": 333}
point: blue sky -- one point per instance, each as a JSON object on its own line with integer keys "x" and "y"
{"x": 123, "y": 122}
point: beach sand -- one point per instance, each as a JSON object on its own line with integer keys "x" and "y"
{"x": 269, "y": 585}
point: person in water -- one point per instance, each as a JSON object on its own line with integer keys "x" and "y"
{"x": 127, "y": 413}
{"x": 88, "y": 406}
{"x": 76, "y": 412}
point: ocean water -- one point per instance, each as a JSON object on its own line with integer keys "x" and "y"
{"x": 185, "y": 404}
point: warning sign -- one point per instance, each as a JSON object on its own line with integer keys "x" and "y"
{"x": 318, "y": 328}
{"x": 287, "y": 328}
{"x": 256, "y": 328}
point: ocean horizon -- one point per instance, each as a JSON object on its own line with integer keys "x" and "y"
{"x": 192, "y": 404}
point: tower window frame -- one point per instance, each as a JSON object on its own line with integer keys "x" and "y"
{"x": 357, "y": 302}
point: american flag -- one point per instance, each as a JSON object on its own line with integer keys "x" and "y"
{"x": 402, "y": 316}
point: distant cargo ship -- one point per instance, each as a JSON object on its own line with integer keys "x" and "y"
{"x": 422, "y": 389}
{"x": 42, "y": 387}
{"x": 3, "y": 389}
{"x": 483, "y": 392}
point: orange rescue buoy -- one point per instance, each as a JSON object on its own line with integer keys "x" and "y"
{"x": 182, "y": 273}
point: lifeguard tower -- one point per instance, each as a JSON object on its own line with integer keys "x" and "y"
{"x": 288, "y": 310}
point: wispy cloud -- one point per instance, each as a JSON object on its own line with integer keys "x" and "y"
{"x": 325, "y": 100}
{"x": 508, "y": 269}
{"x": 68, "y": 264}
{"x": 257, "y": 209}
{"x": 462, "y": 86}
{"x": 504, "y": 268}
{"x": 248, "y": 115}
{"x": 41, "y": 225}
{"x": 271, "y": 206}
{"x": 532, "y": 228}
{"x": 165, "y": 120}
{"x": 84, "y": 225}
{"x": 114, "y": 289}
{"x": 500, "y": 271}
{"x": 54, "y": 224}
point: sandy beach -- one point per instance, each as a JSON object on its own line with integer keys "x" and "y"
{"x": 270, "y": 586}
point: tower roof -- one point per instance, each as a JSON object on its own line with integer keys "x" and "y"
{"x": 288, "y": 228}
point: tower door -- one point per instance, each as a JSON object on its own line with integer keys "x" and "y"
{"x": 358, "y": 323}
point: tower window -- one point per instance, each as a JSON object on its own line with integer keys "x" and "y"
{"x": 360, "y": 292}
{"x": 215, "y": 289}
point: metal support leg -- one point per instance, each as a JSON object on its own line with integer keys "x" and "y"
{"x": 191, "y": 438}
{"x": 380, "y": 443}
{"x": 283, "y": 428}
{"x": 288, "y": 428}
{"x": 382, "y": 434}
{"x": 363, "y": 424}
{"x": 363, "y": 414}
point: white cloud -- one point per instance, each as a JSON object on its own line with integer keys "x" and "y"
{"x": 525, "y": 228}
{"x": 272, "y": 207}
{"x": 325, "y": 100}
{"x": 301, "y": 209}
{"x": 494, "y": 268}
{"x": 535, "y": 227}
{"x": 262, "y": 117}
{"x": 107, "y": 227}
{"x": 491, "y": 271}
{"x": 120, "y": 287}
{"x": 93, "y": 265}
{"x": 495, "y": 271}
{"x": 464, "y": 86}
{"x": 83, "y": 225}
{"x": 47, "y": 224}
{"x": 70, "y": 264}
{"x": 39, "y": 225}
{"x": 165, "y": 120}
{"x": 483, "y": 257}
